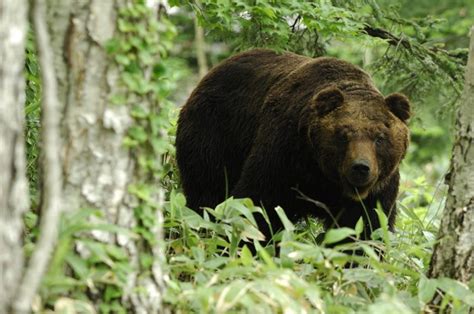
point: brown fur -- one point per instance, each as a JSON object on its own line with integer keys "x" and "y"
{"x": 266, "y": 125}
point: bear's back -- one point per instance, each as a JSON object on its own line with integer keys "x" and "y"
{"x": 230, "y": 97}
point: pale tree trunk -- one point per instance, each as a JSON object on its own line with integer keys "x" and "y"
{"x": 97, "y": 167}
{"x": 13, "y": 183}
{"x": 453, "y": 255}
{"x": 200, "y": 45}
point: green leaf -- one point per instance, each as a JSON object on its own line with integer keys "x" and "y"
{"x": 112, "y": 292}
{"x": 238, "y": 205}
{"x": 336, "y": 235}
{"x": 285, "y": 250}
{"x": 369, "y": 251}
{"x": 112, "y": 46}
{"x": 98, "y": 250}
{"x": 122, "y": 59}
{"x": 287, "y": 224}
{"x": 457, "y": 290}
{"x": 117, "y": 252}
{"x": 264, "y": 255}
{"x": 177, "y": 202}
{"x": 359, "y": 227}
{"x": 215, "y": 263}
{"x": 193, "y": 219}
{"x": 383, "y": 224}
{"x": 78, "y": 265}
{"x": 426, "y": 289}
{"x": 246, "y": 257}
{"x": 138, "y": 133}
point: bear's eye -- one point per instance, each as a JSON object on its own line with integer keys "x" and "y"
{"x": 342, "y": 138}
{"x": 379, "y": 140}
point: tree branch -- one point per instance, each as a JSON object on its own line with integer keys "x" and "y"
{"x": 383, "y": 34}
{"x": 397, "y": 41}
{"x": 51, "y": 166}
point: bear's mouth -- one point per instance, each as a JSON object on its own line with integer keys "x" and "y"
{"x": 357, "y": 193}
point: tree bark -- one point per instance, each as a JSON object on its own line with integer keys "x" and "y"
{"x": 13, "y": 183}
{"x": 453, "y": 254}
{"x": 200, "y": 45}
{"x": 97, "y": 167}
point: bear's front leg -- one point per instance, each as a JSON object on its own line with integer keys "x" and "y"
{"x": 268, "y": 176}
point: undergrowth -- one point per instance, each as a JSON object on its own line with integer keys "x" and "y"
{"x": 213, "y": 270}
{"x": 217, "y": 262}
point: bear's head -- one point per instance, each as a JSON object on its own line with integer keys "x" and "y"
{"x": 358, "y": 139}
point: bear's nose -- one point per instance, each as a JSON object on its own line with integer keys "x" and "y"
{"x": 360, "y": 170}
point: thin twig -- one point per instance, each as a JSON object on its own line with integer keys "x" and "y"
{"x": 295, "y": 23}
{"x": 51, "y": 166}
{"x": 319, "y": 204}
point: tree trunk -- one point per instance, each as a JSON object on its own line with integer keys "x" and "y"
{"x": 13, "y": 183}
{"x": 453, "y": 255}
{"x": 200, "y": 45}
{"x": 97, "y": 167}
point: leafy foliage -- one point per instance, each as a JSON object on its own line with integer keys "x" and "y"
{"x": 210, "y": 273}
{"x": 302, "y": 26}
{"x": 101, "y": 269}
{"x": 308, "y": 27}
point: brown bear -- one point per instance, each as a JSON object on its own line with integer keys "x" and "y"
{"x": 275, "y": 126}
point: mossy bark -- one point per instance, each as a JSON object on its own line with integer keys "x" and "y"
{"x": 97, "y": 167}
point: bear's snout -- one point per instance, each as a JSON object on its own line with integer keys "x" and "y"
{"x": 359, "y": 169}
{"x": 359, "y": 174}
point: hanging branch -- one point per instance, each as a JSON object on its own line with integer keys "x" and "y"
{"x": 420, "y": 52}
{"x": 383, "y": 34}
{"x": 51, "y": 206}
{"x": 397, "y": 41}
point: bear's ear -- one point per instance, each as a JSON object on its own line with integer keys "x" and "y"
{"x": 327, "y": 100}
{"x": 399, "y": 106}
